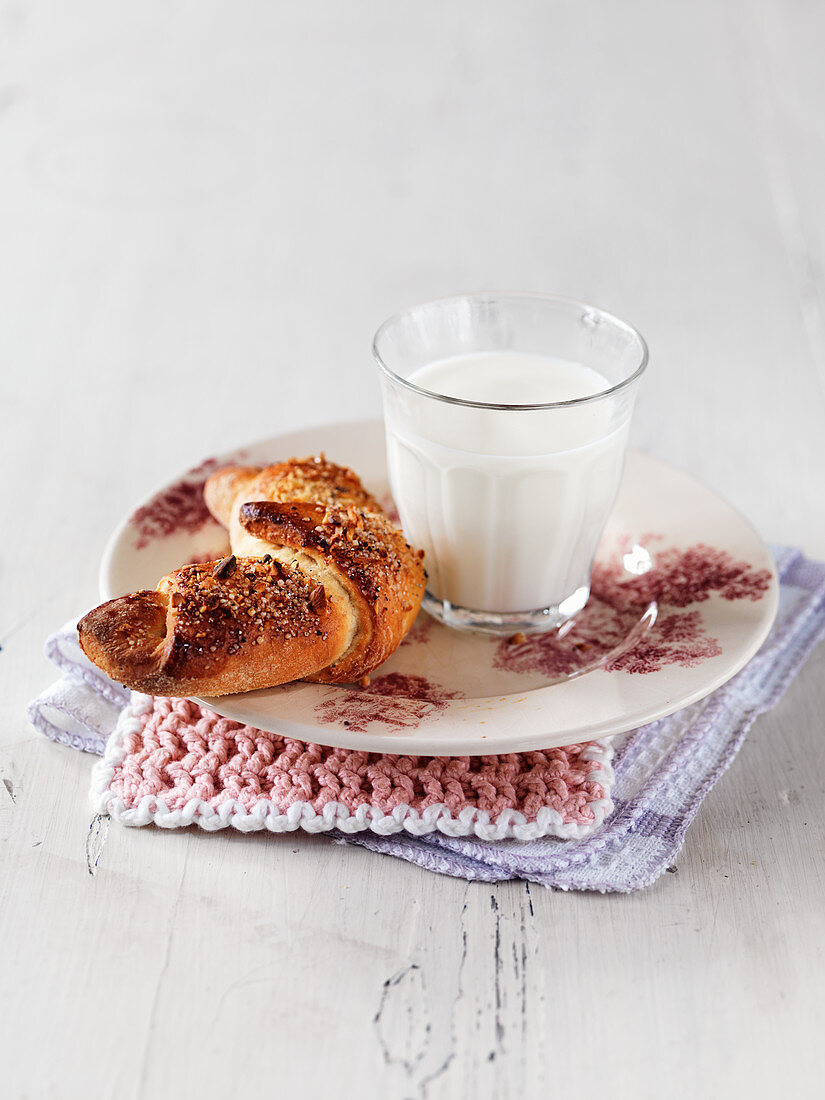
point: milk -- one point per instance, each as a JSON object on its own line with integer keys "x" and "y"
{"x": 508, "y": 505}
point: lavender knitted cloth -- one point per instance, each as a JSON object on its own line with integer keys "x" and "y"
{"x": 662, "y": 771}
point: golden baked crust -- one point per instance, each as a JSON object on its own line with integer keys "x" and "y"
{"x": 379, "y": 571}
{"x": 254, "y": 625}
{"x": 311, "y": 480}
{"x": 320, "y": 585}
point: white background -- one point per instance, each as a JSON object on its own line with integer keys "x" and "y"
{"x": 205, "y": 211}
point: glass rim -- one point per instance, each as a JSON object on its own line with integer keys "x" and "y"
{"x": 520, "y": 295}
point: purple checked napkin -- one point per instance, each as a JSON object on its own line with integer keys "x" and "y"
{"x": 662, "y": 770}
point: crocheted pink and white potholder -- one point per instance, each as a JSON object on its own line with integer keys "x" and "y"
{"x": 173, "y": 763}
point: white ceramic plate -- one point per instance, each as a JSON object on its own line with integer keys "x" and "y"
{"x": 684, "y": 593}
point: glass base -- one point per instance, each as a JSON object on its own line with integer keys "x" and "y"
{"x": 506, "y": 623}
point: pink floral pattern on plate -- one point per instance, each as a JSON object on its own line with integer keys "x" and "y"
{"x": 598, "y": 637}
{"x": 180, "y": 508}
{"x": 639, "y": 620}
{"x": 393, "y": 700}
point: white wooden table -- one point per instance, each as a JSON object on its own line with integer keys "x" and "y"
{"x": 205, "y": 211}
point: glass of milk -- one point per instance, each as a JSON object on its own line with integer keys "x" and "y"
{"x": 507, "y": 418}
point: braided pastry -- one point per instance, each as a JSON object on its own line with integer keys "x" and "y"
{"x": 320, "y": 586}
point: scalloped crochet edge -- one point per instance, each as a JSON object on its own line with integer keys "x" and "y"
{"x": 266, "y": 814}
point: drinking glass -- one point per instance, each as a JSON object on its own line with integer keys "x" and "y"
{"x": 508, "y": 499}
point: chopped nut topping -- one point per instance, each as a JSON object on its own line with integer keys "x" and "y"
{"x": 225, "y": 567}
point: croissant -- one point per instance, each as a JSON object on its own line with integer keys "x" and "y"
{"x": 320, "y": 586}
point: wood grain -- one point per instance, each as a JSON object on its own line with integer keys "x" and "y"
{"x": 205, "y": 212}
